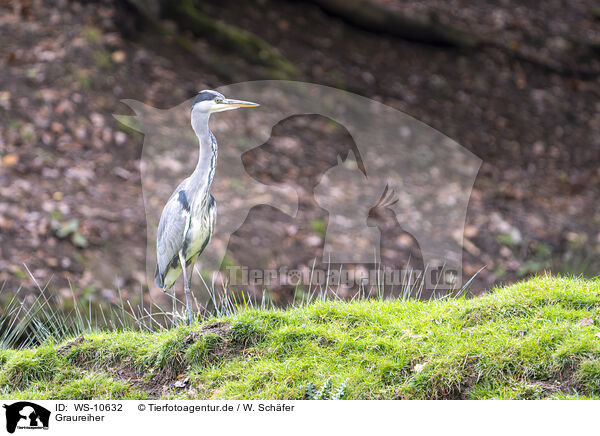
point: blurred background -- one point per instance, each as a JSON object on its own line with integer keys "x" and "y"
{"x": 514, "y": 82}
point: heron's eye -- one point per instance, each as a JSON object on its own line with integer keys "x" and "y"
{"x": 219, "y": 100}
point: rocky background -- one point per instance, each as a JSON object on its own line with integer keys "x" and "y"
{"x": 514, "y": 82}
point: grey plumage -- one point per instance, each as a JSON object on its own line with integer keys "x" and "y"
{"x": 188, "y": 219}
{"x": 186, "y": 223}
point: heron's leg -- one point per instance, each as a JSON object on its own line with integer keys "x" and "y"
{"x": 188, "y": 295}
{"x": 174, "y": 306}
{"x": 186, "y": 288}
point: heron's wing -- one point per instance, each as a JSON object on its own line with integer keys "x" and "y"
{"x": 170, "y": 235}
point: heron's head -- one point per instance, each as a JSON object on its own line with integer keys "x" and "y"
{"x": 209, "y": 102}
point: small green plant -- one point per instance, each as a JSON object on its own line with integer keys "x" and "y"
{"x": 319, "y": 227}
{"x": 84, "y": 78}
{"x": 69, "y": 229}
{"x": 92, "y": 34}
{"x": 325, "y": 392}
{"x": 19, "y": 273}
{"x": 103, "y": 59}
{"x": 28, "y": 133}
{"x": 540, "y": 259}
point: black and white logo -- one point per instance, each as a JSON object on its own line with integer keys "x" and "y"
{"x": 26, "y": 415}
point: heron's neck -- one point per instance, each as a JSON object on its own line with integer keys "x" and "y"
{"x": 202, "y": 176}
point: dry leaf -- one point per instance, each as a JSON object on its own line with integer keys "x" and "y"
{"x": 10, "y": 159}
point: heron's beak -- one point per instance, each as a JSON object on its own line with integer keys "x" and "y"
{"x": 229, "y": 104}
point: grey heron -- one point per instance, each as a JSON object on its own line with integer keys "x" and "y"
{"x": 188, "y": 219}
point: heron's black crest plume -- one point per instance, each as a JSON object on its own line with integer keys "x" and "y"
{"x": 206, "y": 95}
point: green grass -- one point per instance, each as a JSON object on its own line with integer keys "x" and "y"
{"x": 533, "y": 340}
